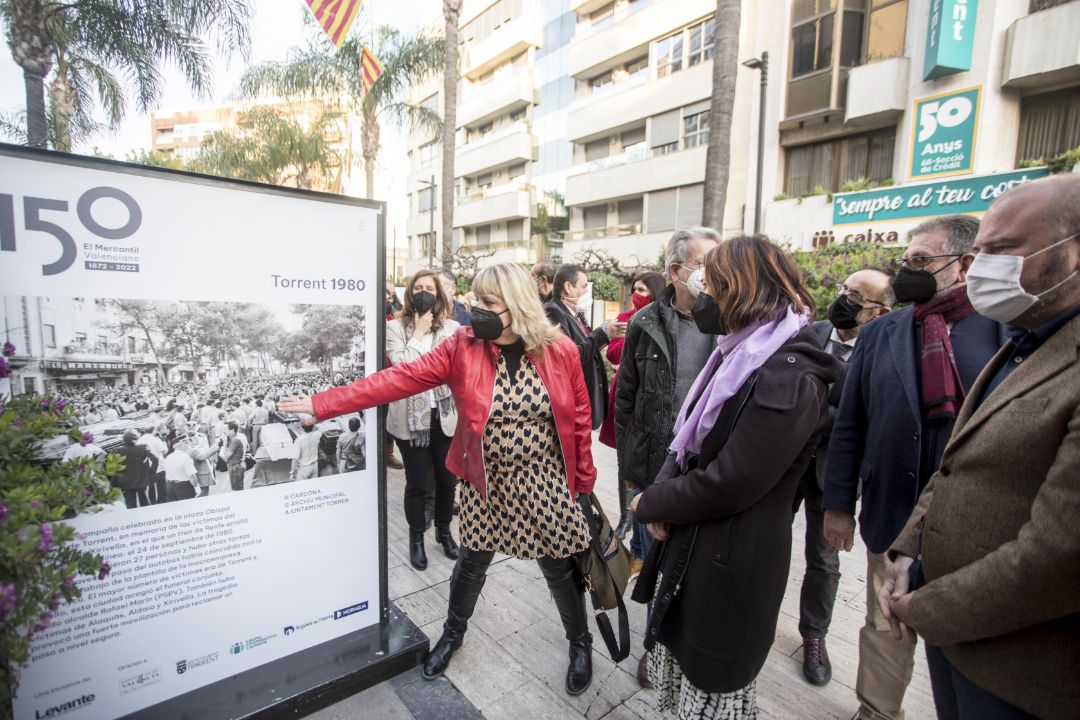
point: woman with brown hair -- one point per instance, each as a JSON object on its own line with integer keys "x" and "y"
{"x": 522, "y": 447}
{"x": 423, "y": 425}
{"x": 721, "y": 504}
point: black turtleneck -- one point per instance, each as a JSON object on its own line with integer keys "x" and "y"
{"x": 512, "y": 354}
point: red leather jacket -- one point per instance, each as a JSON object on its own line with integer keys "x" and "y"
{"x": 467, "y": 366}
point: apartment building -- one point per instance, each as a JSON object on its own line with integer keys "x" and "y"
{"x": 600, "y": 107}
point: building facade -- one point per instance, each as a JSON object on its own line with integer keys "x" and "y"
{"x": 877, "y": 114}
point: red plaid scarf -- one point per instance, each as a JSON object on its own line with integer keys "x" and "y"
{"x": 942, "y": 389}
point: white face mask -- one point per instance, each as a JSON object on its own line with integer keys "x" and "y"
{"x": 695, "y": 284}
{"x": 994, "y": 289}
{"x": 584, "y": 303}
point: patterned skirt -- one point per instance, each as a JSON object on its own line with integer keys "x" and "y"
{"x": 676, "y": 696}
{"x": 529, "y": 512}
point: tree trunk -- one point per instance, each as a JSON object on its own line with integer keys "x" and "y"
{"x": 32, "y": 52}
{"x": 157, "y": 360}
{"x": 369, "y": 148}
{"x": 63, "y": 98}
{"x": 451, "y": 15}
{"x": 725, "y": 68}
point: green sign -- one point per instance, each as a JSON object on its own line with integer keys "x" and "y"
{"x": 950, "y": 36}
{"x": 944, "y": 197}
{"x": 943, "y": 133}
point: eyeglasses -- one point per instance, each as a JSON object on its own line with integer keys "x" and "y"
{"x": 855, "y": 296}
{"x": 921, "y": 262}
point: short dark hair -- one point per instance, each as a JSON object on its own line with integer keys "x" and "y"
{"x": 566, "y": 274}
{"x": 544, "y": 269}
{"x": 354, "y": 424}
{"x": 233, "y": 426}
{"x": 753, "y": 279}
{"x": 960, "y": 232}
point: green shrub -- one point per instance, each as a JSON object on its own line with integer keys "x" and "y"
{"x": 824, "y": 268}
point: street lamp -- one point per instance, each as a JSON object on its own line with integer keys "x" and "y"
{"x": 431, "y": 215}
{"x": 761, "y": 64}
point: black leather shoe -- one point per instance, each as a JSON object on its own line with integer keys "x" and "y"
{"x": 417, "y": 554}
{"x": 623, "y": 528}
{"x": 579, "y": 674}
{"x": 444, "y": 538}
{"x": 438, "y": 659}
{"x": 816, "y": 667}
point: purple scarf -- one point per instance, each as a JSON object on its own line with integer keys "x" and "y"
{"x": 737, "y": 355}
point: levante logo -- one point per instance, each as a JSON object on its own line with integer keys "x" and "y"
{"x": 62, "y": 708}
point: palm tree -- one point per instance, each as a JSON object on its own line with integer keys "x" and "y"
{"x": 87, "y": 42}
{"x": 331, "y": 77}
{"x": 725, "y": 66}
{"x": 451, "y": 16}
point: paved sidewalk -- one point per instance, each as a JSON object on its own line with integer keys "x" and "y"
{"x": 514, "y": 659}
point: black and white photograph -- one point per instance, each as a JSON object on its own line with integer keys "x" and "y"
{"x": 186, "y": 392}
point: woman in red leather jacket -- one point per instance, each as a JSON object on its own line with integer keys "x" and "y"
{"x": 522, "y": 446}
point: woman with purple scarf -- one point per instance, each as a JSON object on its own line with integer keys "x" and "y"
{"x": 721, "y": 504}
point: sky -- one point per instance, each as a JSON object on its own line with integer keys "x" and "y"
{"x": 278, "y": 25}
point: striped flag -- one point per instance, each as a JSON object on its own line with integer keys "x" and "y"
{"x": 370, "y": 69}
{"x": 334, "y": 16}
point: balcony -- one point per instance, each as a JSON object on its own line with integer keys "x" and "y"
{"x": 635, "y": 99}
{"x": 877, "y": 91}
{"x": 508, "y": 41}
{"x": 508, "y": 145}
{"x": 626, "y": 177}
{"x": 622, "y": 35}
{"x": 480, "y": 103}
{"x": 1041, "y": 49}
{"x": 584, "y": 7}
{"x": 503, "y": 202}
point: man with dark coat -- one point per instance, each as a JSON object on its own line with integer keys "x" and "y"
{"x": 140, "y": 466}
{"x": 998, "y": 526}
{"x": 863, "y": 296}
{"x": 908, "y": 375}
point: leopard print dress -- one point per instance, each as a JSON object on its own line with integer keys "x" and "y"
{"x": 529, "y": 512}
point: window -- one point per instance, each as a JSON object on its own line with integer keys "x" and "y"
{"x": 669, "y": 54}
{"x": 887, "y": 26}
{"x": 664, "y": 133}
{"x": 600, "y": 81}
{"x": 1049, "y": 125}
{"x": 144, "y": 345}
{"x": 701, "y": 42}
{"x": 102, "y": 342}
{"x": 632, "y": 139}
{"x": 483, "y": 234}
{"x": 595, "y": 217}
{"x": 517, "y": 115}
{"x": 483, "y": 181}
{"x": 602, "y": 14}
{"x": 515, "y": 231}
{"x": 516, "y": 170}
{"x": 631, "y": 211}
{"x": 597, "y": 149}
{"x": 483, "y": 25}
{"x": 425, "y": 241}
{"x": 637, "y": 65}
{"x": 80, "y": 339}
{"x": 485, "y": 129}
{"x": 696, "y": 129}
{"x": 426, "y": 201}
{"x": 851, "y": 36}
{"x": 429, "y": 153}
{"x": 28, "y": 386}
{"x": 130, "y": 344}
{"x": 691, "y": 206}
{"x": 828, "y": 165}
{"x": 811, "y": 46}
{"x": 661, "y": 211}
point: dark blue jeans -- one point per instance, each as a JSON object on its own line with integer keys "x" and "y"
{"x": 957, "y": 698}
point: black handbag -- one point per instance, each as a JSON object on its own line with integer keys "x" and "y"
{"x": 605, "y": 567}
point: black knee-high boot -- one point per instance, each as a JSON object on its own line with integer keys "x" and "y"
{"x": 466, "y": 582}
{"x": 564, "y": 582}
{"x": 624, "y": 510}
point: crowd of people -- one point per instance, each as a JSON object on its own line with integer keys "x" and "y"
{"x": 942, "y": 394}
{"x": 189, "y": 439}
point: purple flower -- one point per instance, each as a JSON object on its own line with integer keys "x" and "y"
{"x": 5, "y": 369}
{"x": 45, "y": 403}
{"x": 60, "y": 403}
{"x": 104, "y": 571}
{"x": 69, "y": 581}
{"x": 35, "y": 504}
{"x": 9, "y": 349}
{"x": 87, "y": 438}
{"x": 89, "y": 491}
{"x": 54, "y": 602}
{"x": 46, "y": 538}
{"x": 7, "y": 599}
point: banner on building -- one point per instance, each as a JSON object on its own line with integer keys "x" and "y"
{"x": 943, "y": 133}
{"x": 911, "y": 202}
{"x": 950, "y": 37}
{"x": 176, "y": 309}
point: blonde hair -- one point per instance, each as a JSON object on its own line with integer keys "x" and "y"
{"x": 516, "y": 287}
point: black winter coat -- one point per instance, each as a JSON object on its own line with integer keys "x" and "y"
{"x": 725, "y": 567}
{"x": 139, "y": 466}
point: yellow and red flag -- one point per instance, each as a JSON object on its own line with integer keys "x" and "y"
{"x": 334, "y": 16}
{"x": 370, "y": 69}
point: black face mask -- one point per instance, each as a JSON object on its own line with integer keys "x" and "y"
{"x": 423, "y": 301}
{"x": 707, "y": 315}
{"x": 917, "y": 286}
{"x": 486, "y": 325}
{"x": 843, "y": 314}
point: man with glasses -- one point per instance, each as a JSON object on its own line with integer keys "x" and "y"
{"x": 863, "y": 296}
{"x": 908, "y": 376}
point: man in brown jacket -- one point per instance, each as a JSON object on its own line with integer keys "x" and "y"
{"x": 997, "y": 530}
